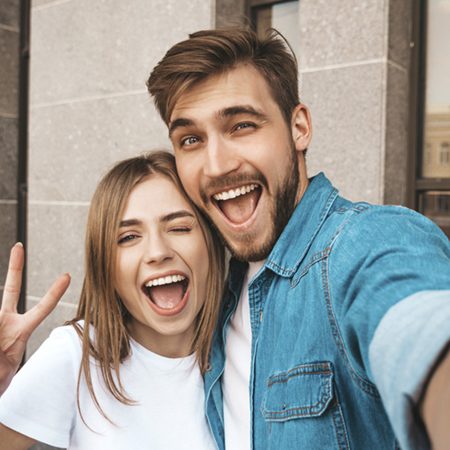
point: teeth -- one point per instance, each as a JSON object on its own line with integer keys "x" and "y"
{"x": 233, "y": 193}
{"x": 165, "y": 280}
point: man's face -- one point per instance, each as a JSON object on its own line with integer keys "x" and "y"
{"x": 239, "y": 160}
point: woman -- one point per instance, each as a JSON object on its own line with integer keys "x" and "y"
{"x": 126, "y": 371}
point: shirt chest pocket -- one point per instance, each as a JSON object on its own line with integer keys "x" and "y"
{"x": 303, "y": 391}
{"x": 300, "y": 410}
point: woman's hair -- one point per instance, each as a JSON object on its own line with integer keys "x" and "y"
{"x": 104, "y": 335}
{"x": 213, "y": 52}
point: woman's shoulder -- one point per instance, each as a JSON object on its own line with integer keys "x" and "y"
{"x": 63, "y": 344}
{"x": 41, "y": 399}
{"x": 69, "y": 332}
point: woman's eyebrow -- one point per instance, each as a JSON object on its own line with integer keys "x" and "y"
{"x": 129, "y": 223}
{"x": 177, "y": 215}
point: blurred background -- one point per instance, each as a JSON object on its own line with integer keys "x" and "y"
{"x": 375, "y": 73}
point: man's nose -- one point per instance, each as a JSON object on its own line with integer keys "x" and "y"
{"x": 221, "y": 158}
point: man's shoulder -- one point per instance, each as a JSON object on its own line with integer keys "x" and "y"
{"x": 388, "y": 240}
{"x": 370, "y": 224}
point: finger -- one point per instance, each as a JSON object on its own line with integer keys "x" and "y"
{"x": 47, "y": 304}
{"x": 13, "y": 282}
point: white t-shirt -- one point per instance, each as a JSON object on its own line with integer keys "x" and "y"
{"x": 236, "y": 376}
{"x": 41, "y": 401}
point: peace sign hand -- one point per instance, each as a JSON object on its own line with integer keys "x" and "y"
{"x": 15, "y": 329}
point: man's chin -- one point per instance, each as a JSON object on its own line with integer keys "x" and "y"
{"x": 250, "y": 252}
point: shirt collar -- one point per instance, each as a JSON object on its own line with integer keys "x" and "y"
{"x": 296, "y": 238}
{"x": 304, "y": 224}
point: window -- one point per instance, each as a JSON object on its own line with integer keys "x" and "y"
{"x": 444, "y": 155}
{"x": 282, "y": 15}
{"x": 431, "y": 64}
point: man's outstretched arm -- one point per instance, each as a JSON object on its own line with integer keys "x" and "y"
{"x": 15, "y": 329}
{"x": 435, "y": 407}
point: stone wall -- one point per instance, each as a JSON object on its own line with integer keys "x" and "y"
{"x": 89, "y": 107}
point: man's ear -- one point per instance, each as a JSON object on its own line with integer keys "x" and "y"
{"x": 301, "y": 127}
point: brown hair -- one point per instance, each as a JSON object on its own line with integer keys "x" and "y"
{"x": 212, "y": 52}
{"x": 104, "y": 335}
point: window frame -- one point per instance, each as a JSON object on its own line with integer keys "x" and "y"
{"x": 417, "y": 184}
{"x": 251, "y": 7}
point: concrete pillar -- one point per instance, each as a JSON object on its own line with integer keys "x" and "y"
{"x": 9, "y": 117}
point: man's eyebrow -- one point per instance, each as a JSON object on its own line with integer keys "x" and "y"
{"x": 242, "y": 109}
{"x": 129, "y": 223}
{"x": 178, "y": 123}
{"x": 223, "y": 113}
{"x": 177, "y": 215}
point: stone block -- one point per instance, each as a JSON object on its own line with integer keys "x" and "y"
{"x": 8, "y": 158}
{"x": 400, "y": 28}
{"x": 72, "y": 145}
{"x": 340, "y": 32}
{"x": 347, "y": 109}
{"x": 40, "y": 446}
{"x": 10, "y": 13}
{"x": 47, "y": 3}
{"x": 9, "y": 74}
{"x": 396, "y": 156}
{"x": 230, "y": 13}
{"x": 55, "y": 246}
{"x": 86, "y": 48}
{"x": 8, "y": 226}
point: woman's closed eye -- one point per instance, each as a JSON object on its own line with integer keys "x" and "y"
{"x": 180, "y": 228}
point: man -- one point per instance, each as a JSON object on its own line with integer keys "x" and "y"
{"x": 335, "y": 335}
{"x": 331, "y": 335}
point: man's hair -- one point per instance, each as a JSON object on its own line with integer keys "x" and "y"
{"x": 104, "y": 334}
{"x": 213, "y": 52}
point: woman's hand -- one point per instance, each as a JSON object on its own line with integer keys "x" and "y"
{"x": 15, "y": 329}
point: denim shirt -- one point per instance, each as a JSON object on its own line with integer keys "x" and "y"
{"x": 316, "y": 310}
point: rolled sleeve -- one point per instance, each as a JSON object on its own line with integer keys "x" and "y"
{"x": 405, "y": 347}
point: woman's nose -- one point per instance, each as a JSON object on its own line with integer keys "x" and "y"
{"x": 157, "y": 250}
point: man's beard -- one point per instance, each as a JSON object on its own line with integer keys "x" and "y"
{"x": 282, "y": 207}
{"x": 281, "y": 211}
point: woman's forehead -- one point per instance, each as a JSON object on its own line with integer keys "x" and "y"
{"x": 156, "y": 194}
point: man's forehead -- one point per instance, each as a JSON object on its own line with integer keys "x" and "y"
{"x": 242, "y": 86}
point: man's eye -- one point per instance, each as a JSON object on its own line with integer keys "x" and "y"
{"x": 127, "y": 238}
{"x": 243, "y": 126}
{"x": 190, "y": 140}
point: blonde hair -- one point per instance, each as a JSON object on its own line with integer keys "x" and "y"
{"x": 100, "y": 306}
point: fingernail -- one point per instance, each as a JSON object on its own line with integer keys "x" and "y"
{"x": 18, "y": 244}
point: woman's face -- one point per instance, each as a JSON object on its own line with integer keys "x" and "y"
{"x": 161, "y": 266}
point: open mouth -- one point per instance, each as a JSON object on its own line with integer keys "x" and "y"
{"x": 167, "y": 294}
{"x": 238, "y": 204}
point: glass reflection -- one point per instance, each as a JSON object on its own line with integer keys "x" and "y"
{"x": 436, "y": 153}
{"x": 436, "y": 206}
